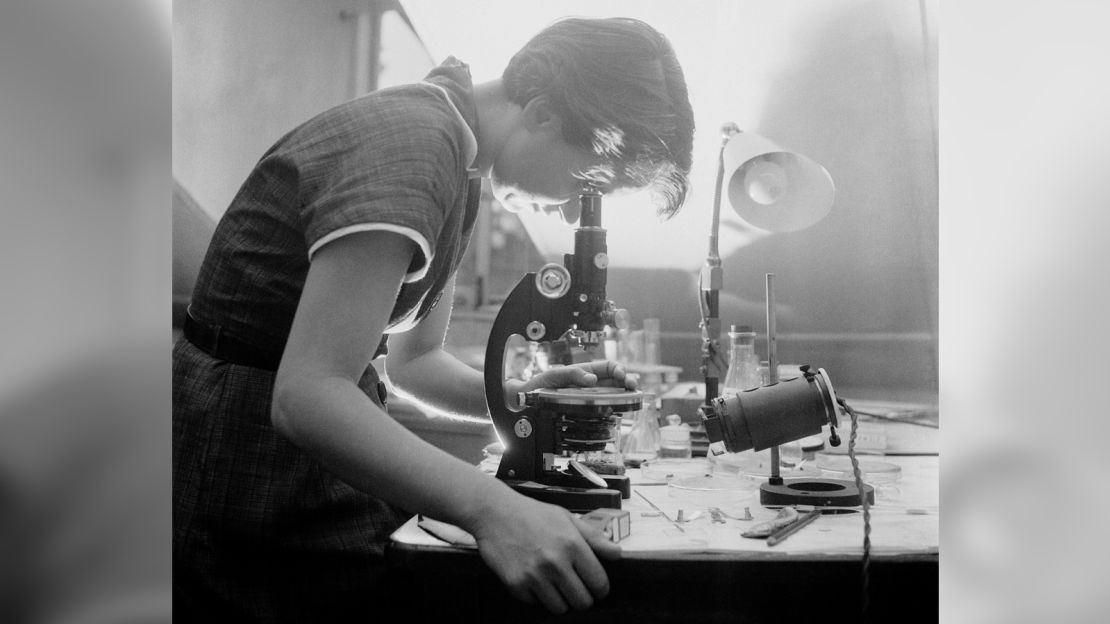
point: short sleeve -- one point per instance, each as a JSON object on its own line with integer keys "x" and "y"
{"x": 387, "y": 163}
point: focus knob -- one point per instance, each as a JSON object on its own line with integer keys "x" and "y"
{"x": 621, "y": 318}
{"x": 553, "y": 281}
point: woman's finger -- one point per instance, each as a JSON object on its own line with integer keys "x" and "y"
{"x": 601, "y": 545}
{"x": 567, "y": 376}
{"x": 604, "y": 369}
{"x": 573, "y": 590}
{"x": 610, "y": 373}
{"x": 549, "y": 597}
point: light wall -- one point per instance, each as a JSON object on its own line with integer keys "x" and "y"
{"x": 245, "y": 72}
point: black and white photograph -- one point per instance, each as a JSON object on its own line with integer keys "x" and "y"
{"x": 571, "y": 311}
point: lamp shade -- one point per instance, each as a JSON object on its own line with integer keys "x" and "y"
{"x": 772, "y": 189}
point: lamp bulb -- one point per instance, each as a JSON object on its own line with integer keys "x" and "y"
{"x": 765, "y": 182}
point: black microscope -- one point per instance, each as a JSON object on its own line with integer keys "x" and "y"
{"x": 564, "y": 308}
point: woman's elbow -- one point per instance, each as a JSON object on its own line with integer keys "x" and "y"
{"x": 283, "y": 408}
{"x": 301, "y": 398}
{"x": 400, "y": 377}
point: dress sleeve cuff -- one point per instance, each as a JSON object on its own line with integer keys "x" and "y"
{"x": 422, "y": 243}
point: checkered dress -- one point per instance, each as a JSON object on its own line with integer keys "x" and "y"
{"x": 261, "y": 531}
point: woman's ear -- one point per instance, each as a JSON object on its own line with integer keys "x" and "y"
{"x": 540, "y": 116}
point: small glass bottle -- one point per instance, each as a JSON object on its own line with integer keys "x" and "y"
{"x": 674, "y": 439}
{"x": 743, "y": 363}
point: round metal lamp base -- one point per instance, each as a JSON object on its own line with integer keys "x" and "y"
{"x": 816, "y": 492}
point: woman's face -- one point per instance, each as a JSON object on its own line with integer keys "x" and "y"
{"x": 535, "y": 172}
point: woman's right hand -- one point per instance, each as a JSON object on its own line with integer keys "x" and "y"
{"x": 544, "y": 554}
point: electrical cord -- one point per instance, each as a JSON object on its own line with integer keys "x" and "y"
{"x": 864, "y": 573}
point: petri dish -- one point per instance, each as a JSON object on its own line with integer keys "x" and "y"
{"x": 667, "y": 470}
{"x": 713, "y": 483}
{"x": 840, "y": 467}
{"x": 757, "y": 465}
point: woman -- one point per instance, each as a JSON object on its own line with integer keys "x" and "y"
{"x": 289, "y": 475}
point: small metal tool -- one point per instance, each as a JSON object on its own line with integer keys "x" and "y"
{"x": 682, "y": 517}
{"x": 793, "y": 528}
{"x": 676, "y": 525}
{"x": 718, "y": 511}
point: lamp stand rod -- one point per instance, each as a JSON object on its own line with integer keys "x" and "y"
{"x": 772, "y": 368}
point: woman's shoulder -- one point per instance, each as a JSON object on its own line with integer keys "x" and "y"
{"x": 412, "y": 108}
{"x": 409, "y": 119}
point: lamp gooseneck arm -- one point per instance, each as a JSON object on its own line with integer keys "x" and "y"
{"x": 711, "y": 280}
{"x": 728, "y": 130}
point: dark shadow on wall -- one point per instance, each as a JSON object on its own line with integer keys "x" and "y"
{"x": 862, "y": 103}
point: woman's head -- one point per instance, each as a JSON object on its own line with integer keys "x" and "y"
{"x": 619, "y": 95}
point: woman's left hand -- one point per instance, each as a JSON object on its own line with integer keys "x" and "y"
{"x": 584, "y": 375}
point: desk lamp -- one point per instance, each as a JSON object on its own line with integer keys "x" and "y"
{"x": 776, "y": 191}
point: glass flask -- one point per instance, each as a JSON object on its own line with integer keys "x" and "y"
{"x": 743, "y": 363}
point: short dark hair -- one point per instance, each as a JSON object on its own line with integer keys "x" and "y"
{"x": 620, "y": 91}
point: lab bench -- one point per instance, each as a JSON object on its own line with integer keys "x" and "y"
{"x": 702, "y": 570}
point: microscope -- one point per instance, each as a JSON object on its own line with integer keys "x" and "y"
{"x": 564, "y": 308}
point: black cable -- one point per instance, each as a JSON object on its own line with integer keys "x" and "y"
{"x": 864, "y": 573}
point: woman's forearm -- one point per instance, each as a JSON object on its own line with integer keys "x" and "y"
{"x": 440, "y": 382}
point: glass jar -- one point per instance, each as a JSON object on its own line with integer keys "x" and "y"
{"x": 674, "y": 439}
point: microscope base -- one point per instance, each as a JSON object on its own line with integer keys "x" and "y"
{"x": 620, "y": 483}
{"x": 560, "y": 478}
{"x": 578, "y": 500}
